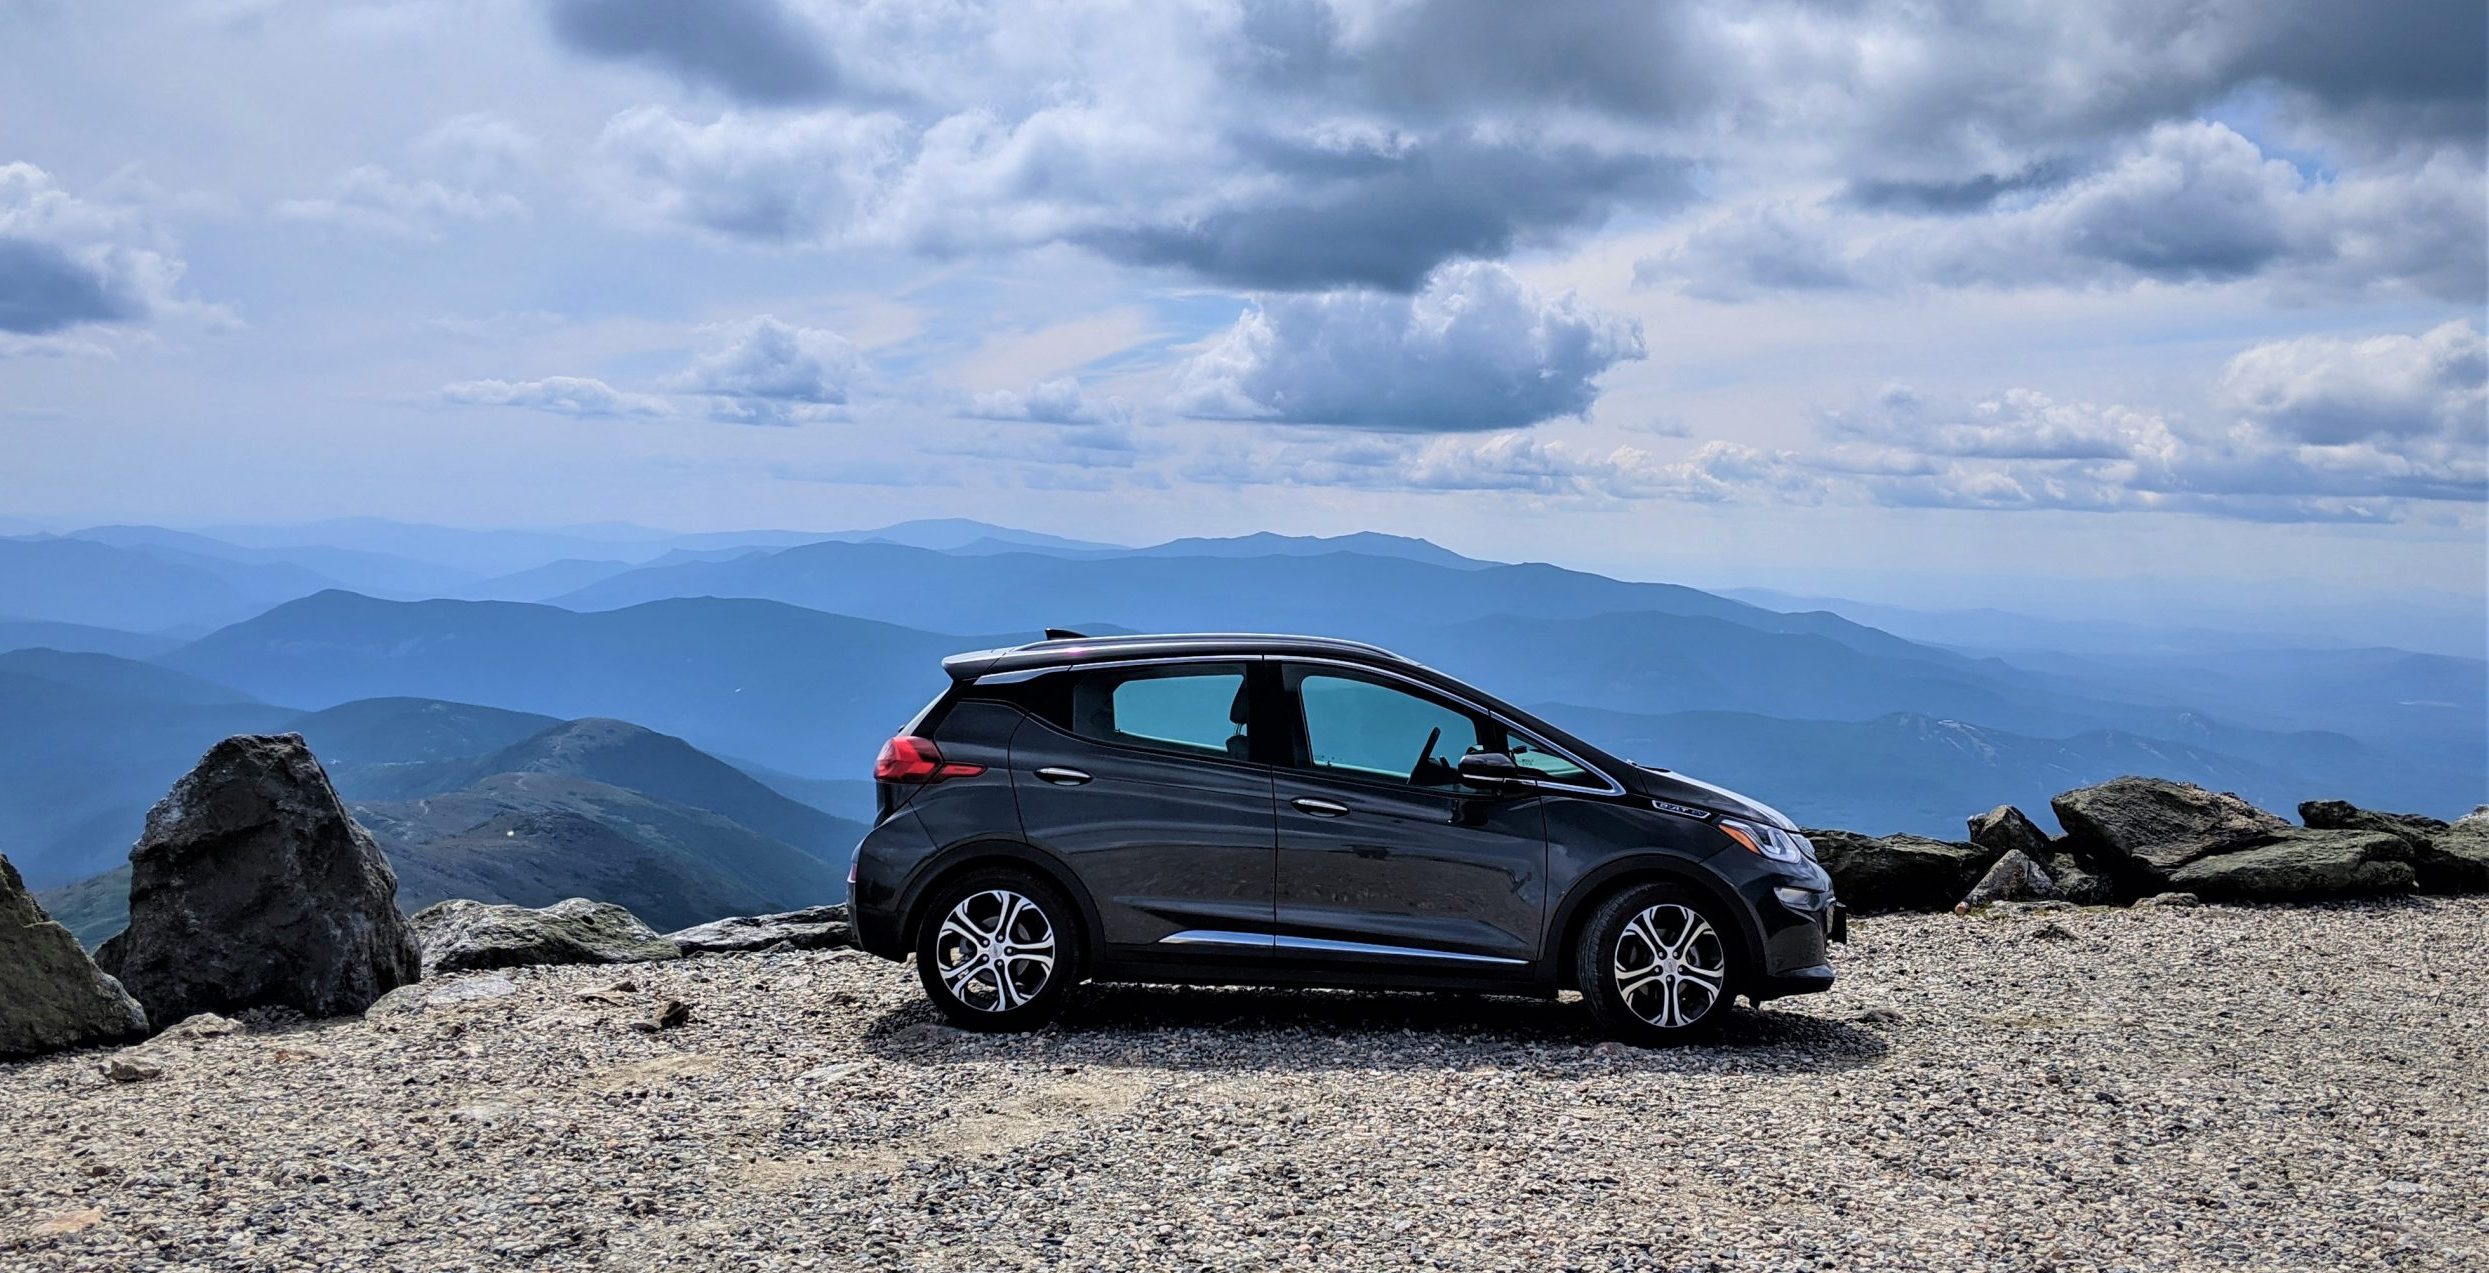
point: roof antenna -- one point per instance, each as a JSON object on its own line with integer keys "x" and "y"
{"x": 1065, "y": 634}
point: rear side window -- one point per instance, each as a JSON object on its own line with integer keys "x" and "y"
{"x": 1194, "y": 708}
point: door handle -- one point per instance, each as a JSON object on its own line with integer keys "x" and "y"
{"x": 1062, "y": 777}
{"x": 1320, "y": 808}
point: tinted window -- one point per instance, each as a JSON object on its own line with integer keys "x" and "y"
{"x": 1547, "y": 765}
{"x": 1365, "y": 729}
{"x": 1190, "y": 707}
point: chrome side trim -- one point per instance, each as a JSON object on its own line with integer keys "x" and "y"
{"x": 1614, "y": 788}
{"x": 1322, "y": 945}
{"x": 1216, "y": 937}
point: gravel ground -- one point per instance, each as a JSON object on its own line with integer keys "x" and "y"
{"x": 2223, "y": 1087}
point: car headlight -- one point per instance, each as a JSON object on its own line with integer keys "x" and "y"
{"x": 1771, "y": 842}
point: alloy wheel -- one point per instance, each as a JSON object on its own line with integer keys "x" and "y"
{"x": 995, "y": 950}
{"x": 1670, "y": 966}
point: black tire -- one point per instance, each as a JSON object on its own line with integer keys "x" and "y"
{"x": 1043, "y": 922}
{"x": 1683, "y": 989}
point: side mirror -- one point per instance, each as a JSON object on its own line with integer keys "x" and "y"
{"x": 1491, "y": 769}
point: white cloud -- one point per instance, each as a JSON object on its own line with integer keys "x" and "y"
{"x": 1475, "y": 350}
{"x": 764, "y": 371}
{"x": 73, "y": 272}
{"x": 1060, "y": 401}
{"x": 560, "y": 395}
{"x": 459, "y": 171}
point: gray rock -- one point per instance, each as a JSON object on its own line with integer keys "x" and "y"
{"x": 51, "y": 995}
{"x": 2300, "y": 866}
{"x": 461, "y": 935}
{"x": 130, "y": 1069}
{"x": 815, "y": 928}
{"x": 2168, "y": 901}
{"x": 251, "y": 887}
{"x": 2456, "y": 860}
{"x": 2447, "y": 858}
{"x": 1898, "y": 872}
{"x": 2004, "y": 829}
{"x": 2143, "y": 829}
{"x": 2014, "y": 878}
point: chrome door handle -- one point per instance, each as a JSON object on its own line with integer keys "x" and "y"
{"x": 1063, "y": 777}
{"x": 1320, "y": 808}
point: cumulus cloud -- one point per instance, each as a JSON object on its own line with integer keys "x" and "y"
{"x": 758, "y": 371}
{"x": 1510, "y": 463}
{"x": 2314, "y": 429}
{"x": 1475, "y": 350}
{"x": 560, "y": 395}
{"x": 752, "y": 50}
{"x": 459, "y": 171}
{"x": 2190, "y": 202}
{"x": 69, "y": 268}
{"x": 1061, "y": 401}
{"x": 1304, "y": 144}
{"x": 763, "y": 371}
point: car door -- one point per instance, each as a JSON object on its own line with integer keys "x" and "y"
{"x": 1142, "y": 777}
{"x": 1384, "y": 860}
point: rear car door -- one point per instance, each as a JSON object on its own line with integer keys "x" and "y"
{"x": 1142, "y": 777}
{"x": 1389, "y": 861}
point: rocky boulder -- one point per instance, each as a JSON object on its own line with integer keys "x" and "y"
{"x": 460, "y": 935}
{"x": 814, "y": 928}
{"x": 2447, "y": 857}
{"x": 1898, "y": 872}
{"x": 2016, "y": 877}
{"x": 2143, "y": 829}
{"x": 2301, "y": 866}
{"x": 2456, "y": 860}
{"x": 51, "y": 995}
{"x": 2005, "y": 829}
{"x": 252, "y": 887}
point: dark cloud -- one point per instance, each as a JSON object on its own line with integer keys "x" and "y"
{"x": 1968, "y": 194}
{"x": 751, "y": 50}
{"x": 44, "y": 289}
{"x": 1386, "y": 219}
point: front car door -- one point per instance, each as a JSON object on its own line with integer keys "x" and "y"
{"x": 1386, "y": 859}
{"x": 1142, "y": 777}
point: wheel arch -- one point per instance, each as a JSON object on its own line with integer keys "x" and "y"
{"x": 1611, "y": 878}
{"x": 982, "y": 854}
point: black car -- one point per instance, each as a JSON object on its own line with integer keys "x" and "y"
{"x": 1279, "y": 810}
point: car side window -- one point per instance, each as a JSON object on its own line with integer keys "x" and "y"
{"x": 1198, "y": 709}
{"x": 1361, "y": 728}
{"x": 1547, "y": 765}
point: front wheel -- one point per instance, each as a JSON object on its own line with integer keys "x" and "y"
{"x": 1656, "y": 964}
{"x": 998, "y": 950}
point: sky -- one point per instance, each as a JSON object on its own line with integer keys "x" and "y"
{"x": 1930, "y": 301}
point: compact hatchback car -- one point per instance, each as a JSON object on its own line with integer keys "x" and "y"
{"x": 1236, "y": 808}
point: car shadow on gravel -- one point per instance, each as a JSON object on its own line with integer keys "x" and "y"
{"x": 1162, "y": 1027}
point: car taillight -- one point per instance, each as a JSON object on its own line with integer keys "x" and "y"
{"x": 908, "y": 758}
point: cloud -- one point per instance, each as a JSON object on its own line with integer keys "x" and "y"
{"x": 758, "y": 371}
{"x": 752, "y": 50}
{"x": 2319, "y": 428}
{"x": 560, "y": 395}
{"x": 763, "y": 371}
{"x": 2188, "y": 203}
{"x": 1050, "y": 402}
{"x": 459, "y": 171}
{"x": 1476, "y": 350}
{"x": 69, "y": 268}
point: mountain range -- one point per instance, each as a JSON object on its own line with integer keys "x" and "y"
{"x": 697, "y": 713}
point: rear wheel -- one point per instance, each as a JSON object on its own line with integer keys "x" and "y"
{"x": 1657, "y": 965}
{"x": 997, "y": 950}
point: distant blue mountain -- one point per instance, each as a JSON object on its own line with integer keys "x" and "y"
{"x": 81, "y": 638}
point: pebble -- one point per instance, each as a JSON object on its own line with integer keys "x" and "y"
{"x": 2231, "y": 1088}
